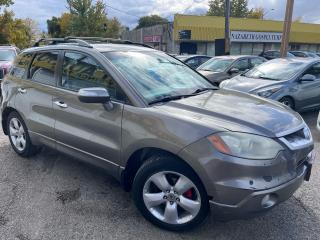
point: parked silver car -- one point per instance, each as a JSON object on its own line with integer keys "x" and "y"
{"x": 177, "y": 142}
{"x": 294, "y": 82}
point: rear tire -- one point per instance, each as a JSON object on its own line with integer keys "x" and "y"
{"x": 288, "y": 102}
{"x": 169, "y": 194}
{"x": 19, "y": 136}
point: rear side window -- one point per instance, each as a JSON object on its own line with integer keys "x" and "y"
{"x": 43, "y": 68}
{"x": 242, "y": 64}
{"x": 256, "y": 61}
{"x": 21, "y": 65}
{"x": 81, "y": 71}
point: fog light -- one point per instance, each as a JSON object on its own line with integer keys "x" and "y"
{"x": 269, "y": 201}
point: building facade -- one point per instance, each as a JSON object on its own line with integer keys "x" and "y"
{"x": 205, "y": 35}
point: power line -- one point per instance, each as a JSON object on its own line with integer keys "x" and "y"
{"x": 116, "y": 9}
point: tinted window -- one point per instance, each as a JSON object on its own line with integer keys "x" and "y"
{"x": 299, "y": 54}
{"x": 216, "y": 65}
{"x": 256, "y": 61}
{"x": 81, "y": 71}
{"x": 314, "y": 70}
{"x": 21, "y": 65}
{"x": 43, "y": 67}
{"x": 203, "y": 60}
{"x": 193, "y": 62}
{"x": 242, "y": 64}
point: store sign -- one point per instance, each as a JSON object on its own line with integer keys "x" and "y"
{"x": 263, "y": 37}
{"x": 152, "y": 39}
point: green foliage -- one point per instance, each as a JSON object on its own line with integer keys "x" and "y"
{"x": 257, "y": 13}
{"x": 239, "y": 8}
{"x": 148, "y": 21}
{"x": 85, "y": 19}
{"x": 5, "y": 3}
{"x": 15, "y": 31}
{"x": 216, "y": 8}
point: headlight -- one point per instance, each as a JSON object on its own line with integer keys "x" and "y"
{"x": 268, "y": 93}
{"x": 245, "y": 145}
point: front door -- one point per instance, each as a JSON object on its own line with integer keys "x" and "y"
{"x": 308, "y": 94}
{"x": 87, "y": 131}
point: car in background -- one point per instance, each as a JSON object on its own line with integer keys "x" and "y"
{"x": 7, "y": 56}
{"x": 304, "y": 54}
{"x": 273, "y": 54}
{"x": 221, "y": 68}
{"x": 294, "y": 82}
{"x": 193, "y": 61}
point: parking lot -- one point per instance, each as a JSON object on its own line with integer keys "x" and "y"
{"x": 54, "y": 197}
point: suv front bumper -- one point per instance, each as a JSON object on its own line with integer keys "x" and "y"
{"x": 261, "y": 201}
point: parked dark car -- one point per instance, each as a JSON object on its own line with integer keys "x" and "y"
{"x": 221, "y": 68}
{"x": 193, "y": 61}
{"x": 304, "y": 54}
{"x": 294, "y": 82}
{"x": 273, "y": 54}
{"x": 161, "y": 129}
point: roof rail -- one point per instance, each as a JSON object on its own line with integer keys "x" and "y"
{"x": 85, "y": 41}
{"x": 55, "y": 41}
{"x": 108, "y": 40}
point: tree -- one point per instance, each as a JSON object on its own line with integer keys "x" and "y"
{"x": 257, "y": 13}
{"x": 54, "y": 29}
{"x": 148, "y": 21}
{"x": 5, "y": 3}
{"x": 14, "y": 31}
{"x": 33, "y": 29}
{"x": 239, "y": 8}
{"x": 216, "y": 8}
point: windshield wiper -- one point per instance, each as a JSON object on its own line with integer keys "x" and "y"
{"x": 170, "y": 98}
{"x": 200, "y": 90}
{"x": 267, "y": 78}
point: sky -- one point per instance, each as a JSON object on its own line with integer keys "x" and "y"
{"x": 131, "y": 10}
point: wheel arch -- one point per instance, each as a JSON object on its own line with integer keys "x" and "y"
{"x": 138, "y": 157}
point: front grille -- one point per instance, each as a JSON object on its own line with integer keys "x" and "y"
{"x": 299, "y": 139}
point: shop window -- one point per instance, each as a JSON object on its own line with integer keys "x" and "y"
{"x": 257, "y": 48}
{"x": 235, "y": 48}
{"x": 246, "y": 48}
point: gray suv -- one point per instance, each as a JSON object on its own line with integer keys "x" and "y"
{"x": 179, "y": 144}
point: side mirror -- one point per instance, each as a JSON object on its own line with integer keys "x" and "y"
{"x": 1, "y": 73}
{"x": 234, "y": 71}
{"x": 308, "y": 78}
{"x": 94, "y": 95}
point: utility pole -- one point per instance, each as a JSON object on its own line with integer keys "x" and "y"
{"x": 286, "y": 29}
{"x": 227, "y": 27}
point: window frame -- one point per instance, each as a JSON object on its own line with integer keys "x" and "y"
{"x": 28, "y": 77}
{"x": 60, "y": 73}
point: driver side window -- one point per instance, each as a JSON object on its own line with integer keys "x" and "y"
{"x": 314, "y": 70}
{"x": 242, "y": 65}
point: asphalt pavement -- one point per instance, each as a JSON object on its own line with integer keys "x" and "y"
{"x": 52, "y": 196}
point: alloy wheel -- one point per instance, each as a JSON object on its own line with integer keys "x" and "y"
{"x": 171, "y": 197}
{"x": 17, "y": 134}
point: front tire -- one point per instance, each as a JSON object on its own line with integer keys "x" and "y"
{"x": 19, "y": 136}
{"x": 169, "y": 194}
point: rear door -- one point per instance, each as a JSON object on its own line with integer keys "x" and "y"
{"x": 88, "y": 131}
{"x": 34, "y": 94}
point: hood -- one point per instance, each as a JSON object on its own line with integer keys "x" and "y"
{"x": 222, "y": 110}
{"x": 249, "y": 85}
{"x": 215, "y": 77}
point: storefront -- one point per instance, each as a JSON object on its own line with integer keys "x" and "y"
{"x": 205, "y": 35}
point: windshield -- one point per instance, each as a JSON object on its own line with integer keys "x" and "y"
{"x": 216, "y": 65}
{"x": 7, "y": 55}
{"x": 276, "y": 70}
{"x": 156, "y": 75}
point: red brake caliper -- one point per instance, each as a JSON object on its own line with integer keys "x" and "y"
{"x": 188, "y": 194}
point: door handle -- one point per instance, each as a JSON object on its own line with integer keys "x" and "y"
{"x": 61, "y": 104}
{"x": 22, "y": 90}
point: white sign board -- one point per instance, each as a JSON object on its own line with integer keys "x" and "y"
{"x": 257, "y": 37}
